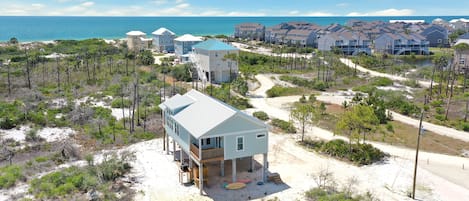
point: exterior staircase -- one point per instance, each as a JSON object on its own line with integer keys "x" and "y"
{"x": 275, "y": 177}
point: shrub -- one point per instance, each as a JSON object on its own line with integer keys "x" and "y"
{"x": 440, "y": 110}
{"x": 261, "y": 115}
{"x": 79, "y": 179}
{"x": 41, "y": 159}
{"x": 11, "y": 114}
{"x": 464, "y": 126}
{"x": 276, "y": 91}
{"x": 440, "y": 117}
{"x": 437, "y": 103}
{"x": 381, "y": 81}
{"x": 360, "y": 154}
{"x": 389, "y": 128}
{"x": 117, "y": 103}
{"x": 365, "y": 89}
{"x": 284, "y": 125}
{"x": 9, "y": 175}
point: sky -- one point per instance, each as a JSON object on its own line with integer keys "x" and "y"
{"x": 234, "y": 7}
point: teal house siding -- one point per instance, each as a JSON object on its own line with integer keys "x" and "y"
{"x": 252, "y": 145}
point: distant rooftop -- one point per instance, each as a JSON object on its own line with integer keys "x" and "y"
{"x": 213, "y": 44}
{"x": 162, "y": 30}
{"x": 407, "y": 21}
{"x": 188, "y": 37}
{"x": 135, "y": 33}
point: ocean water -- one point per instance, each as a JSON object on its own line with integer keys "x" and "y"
{"x": 30, "y": 28}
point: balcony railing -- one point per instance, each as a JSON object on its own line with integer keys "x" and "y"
{"x": 207, "y": 154}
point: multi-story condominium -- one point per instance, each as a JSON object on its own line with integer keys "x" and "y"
{"x": 163, "y": 40}
{"x": 136, "y": 41}
{"x": 251, "y": 31}
{"x": 347, "y": 42}
{"x": 211, "y": 62}
{"x": 436, "y": 35}
{"x": 301, "y": 37}
{"x": 212, "y": 134}
{"x": 183, "y": 46}
{"x": 401, "y": 43}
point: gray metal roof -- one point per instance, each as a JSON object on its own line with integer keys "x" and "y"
{"x": 204, "y": 114}
{"x": 176, "y": 102}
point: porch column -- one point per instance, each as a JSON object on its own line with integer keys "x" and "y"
{"x": 174, "y": 150}
{"x": 167, "y": 144}
{"x": 251, "y": 169}
{"x": 181, "y": 160}
{"x": 222, "y": 168}
{"x": 201, "y": 178}
{"x": 233, "y": 173}
{"x": 264, "y": 167}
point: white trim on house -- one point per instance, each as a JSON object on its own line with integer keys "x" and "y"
{"x": 243, "y": 145}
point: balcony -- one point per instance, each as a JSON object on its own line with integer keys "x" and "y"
{"x": 207, "y": 154}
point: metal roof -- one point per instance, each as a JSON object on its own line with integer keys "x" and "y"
{"x": 177, "y": 101}
{"x": 204, "y": 114}
{"x": 188, "y": 37}
{"x": 213, "y": 44}
{"x": 136, "y": 33}
{"x": 162, "y": 30}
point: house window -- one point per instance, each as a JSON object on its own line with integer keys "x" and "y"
{"x": 260, "y": 136}
{"x": 439, "y": 41}
{"x": 462, "y": 61}
{"x": 240, "y": 143}
{"x": 208, "y": 141}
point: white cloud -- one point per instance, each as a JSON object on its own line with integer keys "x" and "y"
{"x": 342, "y": 4}
{"x": 179, "y": 1}
{"x": 387, "y": 12}
{"x": 319, "y": 14}
{"x": 87, "y": 4}
{"x": 294, "y": 12}
{"x": 182, "y": 6}
{"x": 160, "y": 2}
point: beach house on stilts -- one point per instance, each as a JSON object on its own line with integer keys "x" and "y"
{"x": 208, "y": 131}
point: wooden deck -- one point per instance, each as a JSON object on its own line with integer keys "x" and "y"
{"x": 208, "y": 155}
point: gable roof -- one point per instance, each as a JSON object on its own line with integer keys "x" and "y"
{"x": 212, "y": 44}
{"x": 187, "y": 37}
{"x": 162, "y": 30}
{"x": 135, "y": 33}
{"x": 176, "y": 102}
{"x": 205, "y": 113}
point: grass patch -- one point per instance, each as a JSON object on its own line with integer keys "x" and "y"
{"x": 286, "y": 126}
{"x": 261, "y": 115}
{"x": 72, "y": 180}
{"x": 9, "y": 175}
{"x": 277, "y": 91}
{"x": 308, "y": 83}
{"x": 359, "y": 154}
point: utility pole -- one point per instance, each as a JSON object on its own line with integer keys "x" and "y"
{"x": 417, "y": 150}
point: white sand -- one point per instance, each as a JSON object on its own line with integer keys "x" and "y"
{"x": 116, "y": 112}
{"x": 445, "y": 169}
{"x": 49, "y": 134}
{"x": 350, "y": 64}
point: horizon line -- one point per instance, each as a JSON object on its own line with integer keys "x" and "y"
{"x": 227, "y": 16}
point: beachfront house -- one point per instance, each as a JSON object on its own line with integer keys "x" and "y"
{"x": 301, "y": 37}
{"x": 137, "y": 41}
{"x": 210, "y": 133}
{"x": 183, "y": 46}
{"x": 436, "y": 35}
{"x": 348, "y": 43}
{"x": 163, "y": 40}
{"x": 401, "y": 43}
{"x": 251, "y": 31}
{"x": 211, "y": 63}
